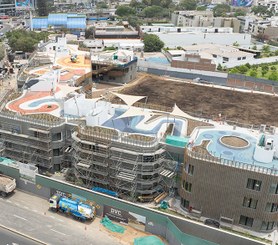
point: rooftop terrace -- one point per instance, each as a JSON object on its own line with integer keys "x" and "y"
{"x": 238, "y": 147}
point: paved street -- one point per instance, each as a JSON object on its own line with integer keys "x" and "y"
{"x": 11, "y": 238}
{"x": 29, "y": 215}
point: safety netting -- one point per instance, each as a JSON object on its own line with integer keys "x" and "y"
{"x": 148, "y": 240}
{"x": 107, "y": 223}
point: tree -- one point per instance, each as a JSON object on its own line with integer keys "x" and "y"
{"x": 134, "y": 21}
{"x": 42, "y": 8}
{"x": 89, "y": 33}
{"x": 259, "y": 10}
{"x": 152, "y": 43}
{"x": 154, "y": 12}
{"x": 273, "y": 76}
{"x": 219, "y": 67}
{"x": 188, "y": 5}
{"x": 220, "y": 10}
{"x": 239, "y": 12}
{"x": 242, "y": 69}
{"x": 2, "y": 51}
{"x": 201, "y": 8}
{"x": 21, "y": 40}
{"x": 123, "y": 10}
{"x": 253, "y": 73}
{"x": 101, "y": 5}
{"x": 266, "y": 49}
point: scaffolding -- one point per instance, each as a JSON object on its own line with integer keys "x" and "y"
{"x": 130, "y": 167}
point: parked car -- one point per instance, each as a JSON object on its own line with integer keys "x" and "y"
{"x": 212, "y": 223}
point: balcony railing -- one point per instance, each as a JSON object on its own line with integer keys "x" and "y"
{"x": 232, "y": 163}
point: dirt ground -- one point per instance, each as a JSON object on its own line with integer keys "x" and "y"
{"x": 127, "y": 238}
{"x": 208, "y": 101}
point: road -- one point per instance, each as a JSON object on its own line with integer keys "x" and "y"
{"x": 29, "y": 215}
{"x": 11, "y": 238}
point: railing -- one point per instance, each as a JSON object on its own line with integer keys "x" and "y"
{"x": 31, "y": 120}
{"x": 114, "y": 136}
{"x": 232, "y": 163}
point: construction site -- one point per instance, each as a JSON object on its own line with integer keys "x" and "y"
{"x": 207, "y": 101}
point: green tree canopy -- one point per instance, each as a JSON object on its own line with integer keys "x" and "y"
{"x": 240, "y": 12}
{"x": 101, "y": 5}
{"x": 152, "y": 43}
{"x": 154, "y": 11}
{"x": 123, "y": 10}
{"x": 187, "y": 5}
{"x": 21, "y": 40}
{"x": 220, "y": 10}
{"x": 260, "y": 10}
{"x": 42, "y": 8}
{"x": 2, "y": 51}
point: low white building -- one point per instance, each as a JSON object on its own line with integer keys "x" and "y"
{"x": 174, "y": 40}
{"x": 270, "y": 4}
{"x": 128, "y": 44}
{"x": 177, "y": 29}
{"x": 219, "y": 54}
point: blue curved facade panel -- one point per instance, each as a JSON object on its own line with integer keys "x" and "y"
{"x": 57, "y": 19}
{"x": 40, "y": 23}
{"x": 69, "y": 21}
{"x": 76, "y": 23}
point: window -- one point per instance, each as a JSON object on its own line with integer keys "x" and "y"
{"x": 238, "y": 58}
{"x": 267, "y": 225}
{"x": 56, "y": 152}
{"x": 254, "y": 184}
{"x": 188, "y": 186}
{"x": 244, "y": 58}
{"x": 244, "y": 220}
{"x": 271, "y": 207}
{"x": 189, "y": 169}
{"x": 185, "y": 203}
{"x": 273, "y": 188}
{"x": 214, "y": 56}
{"x": 249, "y": 202}
{"x": 225, "y": 59}
{"x": 57, "y": 136}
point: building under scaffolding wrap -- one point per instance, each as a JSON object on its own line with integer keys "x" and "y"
{"x": 132, "y": 166}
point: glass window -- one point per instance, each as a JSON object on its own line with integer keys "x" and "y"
{"x": 267, "y": 225}
{"x": 250, "y": 202}
{"x": 247, "y": 221}
{"x": 254, "y": 184}
{"x": 57, "y": 136}
{"x": 188, "y": 186}
{"x": 271, "y": 207}
{"x": 189, "y": 169}
{"x": 185, "y": 203}
{"x": 273, "y": 188}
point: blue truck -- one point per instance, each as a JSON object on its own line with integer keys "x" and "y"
{"x": 76, "y": 208}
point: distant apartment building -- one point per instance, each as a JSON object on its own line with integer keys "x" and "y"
{"x": 68, "y": 2}
{"x": 271, "y": 5}
{"x": 129, "y": 44}
{"x": 7, "y": 6}
{"x": 203, "y": 19}
{"x": 105, "y": 30}
{"x": 114, "y": 67}
{"x": 264, "y": 27}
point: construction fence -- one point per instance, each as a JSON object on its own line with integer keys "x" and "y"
{"x": 174, "y": 229}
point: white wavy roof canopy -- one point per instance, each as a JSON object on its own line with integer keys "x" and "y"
{"x": 178, "y": 112}
{"x": 129, "y": 99}
{"x": 135, "y": 111}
